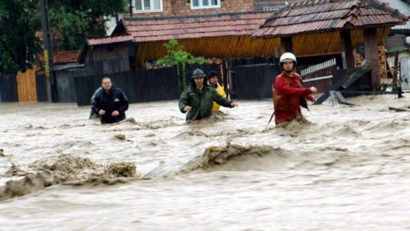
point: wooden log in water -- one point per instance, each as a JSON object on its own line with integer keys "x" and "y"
{"x": 398, "y": 109}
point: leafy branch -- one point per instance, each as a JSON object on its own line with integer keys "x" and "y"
{"x": 177, "y": 56}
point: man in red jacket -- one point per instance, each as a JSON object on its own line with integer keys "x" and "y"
{"x": 288, "y": 93}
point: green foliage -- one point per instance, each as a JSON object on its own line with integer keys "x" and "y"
{"x": 71, "y": 22}
{"x": 69, "y": 27}
{"x": 19, "y": 21}
{"x": 177, "y": 56}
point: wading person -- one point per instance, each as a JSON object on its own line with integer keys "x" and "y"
{"x": 110, "y": 103}
{"x": 288, "y": 92}
{"x": 213, "y": 82}
{"x": 198, "y": 98}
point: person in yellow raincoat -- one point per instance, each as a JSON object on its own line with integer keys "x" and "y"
{"x": 213, "y": 77}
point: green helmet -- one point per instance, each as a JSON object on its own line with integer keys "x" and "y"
{"x": 198, "y": 73}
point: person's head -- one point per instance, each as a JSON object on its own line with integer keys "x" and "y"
{"x": 106, "y": 83}
{"x": 288, "y": 62}
{"x": 213, "y": 78}
{"x": 198, "y": 78}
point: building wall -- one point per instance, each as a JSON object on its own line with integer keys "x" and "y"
{"x": 183, "y": 8}
{"x": 104, "y": 52}
{"x": 111, "y": 58}
{"x": 273, "y": 4}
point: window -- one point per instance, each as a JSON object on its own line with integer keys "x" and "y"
{"x": 148, "y": 5}
{"x": 203, "y": 4}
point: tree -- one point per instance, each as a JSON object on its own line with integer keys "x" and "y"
{"x": 72, "y": 21}
{"x": 19, "y": 21}
{"x": 177, "y": 56}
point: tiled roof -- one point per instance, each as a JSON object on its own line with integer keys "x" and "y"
{"x": 62, "y": 56}
{"x": 328, "y": 15}
{"x": 108, "y": 40}
{"x": 189, "y": 27}
{"x": 403, "y": 7}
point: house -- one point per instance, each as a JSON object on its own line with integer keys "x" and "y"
{"x": 108, "y": 55}
{"x": 334, "y": 26}
{"x": 169, "y": 8}
{"x": 314, "y": 30}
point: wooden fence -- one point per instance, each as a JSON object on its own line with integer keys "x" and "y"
{"x": 26, "y": 86}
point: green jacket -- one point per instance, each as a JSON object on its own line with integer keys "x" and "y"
{"x": 201, "y": 102}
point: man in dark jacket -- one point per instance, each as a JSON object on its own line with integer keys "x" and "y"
{"x": 198, "y": 98}
{"x": 110, "y": 103}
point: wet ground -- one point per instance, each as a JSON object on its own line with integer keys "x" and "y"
{"x": 348, "y": 168}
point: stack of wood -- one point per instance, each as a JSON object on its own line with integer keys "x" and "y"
{"x": 382, "y": 59}
{"x": 359, "y": 58}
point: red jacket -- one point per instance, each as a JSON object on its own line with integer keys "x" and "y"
{"x": 286, "y": 93}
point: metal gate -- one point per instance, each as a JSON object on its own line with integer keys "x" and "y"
{"x": 405, "y": 72}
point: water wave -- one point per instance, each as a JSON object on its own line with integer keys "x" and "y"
{"x": 217, "y": 156}
{"x": 67, "y": 170}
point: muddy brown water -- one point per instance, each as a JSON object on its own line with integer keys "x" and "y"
{"x": 348, "y": 168}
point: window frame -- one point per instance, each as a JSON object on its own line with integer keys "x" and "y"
{"x": 147, "y": 11}
{"x": 200, "y": 7}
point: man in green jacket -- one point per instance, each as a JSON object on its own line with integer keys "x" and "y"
{"x": 198, "y": 99}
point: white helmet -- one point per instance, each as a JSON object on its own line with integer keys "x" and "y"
{"x": 287, "y": 57}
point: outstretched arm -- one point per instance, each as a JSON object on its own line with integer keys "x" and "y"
{"x": 223, "y": 101}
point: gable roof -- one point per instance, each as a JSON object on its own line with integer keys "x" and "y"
{"x": 403, "y": 7}
{"x": 328, "y": 15}
{"x": 102, "y": 41}
{"x": 190, "y": 27}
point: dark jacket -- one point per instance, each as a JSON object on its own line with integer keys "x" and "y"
{"x": 114, "y": 101}
{"x": 201, "y": 102}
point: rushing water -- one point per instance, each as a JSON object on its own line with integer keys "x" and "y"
{"x": 348, "y": 168}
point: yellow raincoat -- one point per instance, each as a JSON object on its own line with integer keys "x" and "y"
{"x": 220, "y": 90}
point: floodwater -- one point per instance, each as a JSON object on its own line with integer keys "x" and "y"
{"x": 348, "y": 168}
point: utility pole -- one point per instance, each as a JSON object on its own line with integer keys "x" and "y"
{"x": 130, "y": 6}
{"x": 48, "y": 53}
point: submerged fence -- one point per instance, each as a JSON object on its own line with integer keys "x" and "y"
{"x": 245, "y": 81}
{"x": 8, "y": 88}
